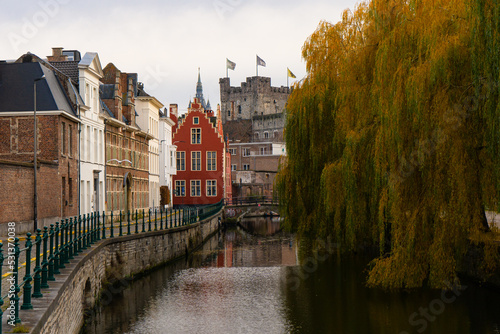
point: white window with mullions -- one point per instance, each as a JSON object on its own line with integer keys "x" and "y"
{"x": 211, "y": 161}
{"x": 195, "y": 188}
{"x": 180, "y": 188}
{"x": 211, "y": 188}
{"x": 196, "y": 136}
{"x": 181, "y": 160}
{"x": 196, "y": 161}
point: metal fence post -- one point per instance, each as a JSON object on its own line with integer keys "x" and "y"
{"x": 98, "y": 229}
{"x": 45, "y": 263}
{"x": 27, "y": 277}
{"x": 156, "y": 220}
{"x": 70, "y": 243}
{"x": 66, "y": 241}
{"x": 143, "y": 221}
{"x": 61, "y": 246}
{"x": 128, "y": 222}
{"x": 120, "y": 225}
{"x": 149, "y": 221}
{"x": 103, "y": 225}
{"x": 171, "y": 215}
{"x": 136, "y": 223}
{"x": 15, "y": 273}
{"x": 37, "y": 293}
{"x": 83, "y": 236}
{"x": 57, "y": 256}
{"x": 161, "y": 219}
{"x": 51, "y": 254}
{"x": 89, "y": 230}
{"x": 111, "y": 227}
{"x": 79, "y": 243}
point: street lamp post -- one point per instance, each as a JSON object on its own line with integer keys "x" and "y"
{"x": 35, "y": 140}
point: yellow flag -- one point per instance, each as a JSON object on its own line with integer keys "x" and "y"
{"x": 290, "y": 74}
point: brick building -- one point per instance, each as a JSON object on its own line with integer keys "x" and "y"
{"x": 127, "y": 146}
{"x": 57, "y": 141}
{"x": 200, "y": 158}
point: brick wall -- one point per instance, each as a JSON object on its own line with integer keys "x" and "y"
{"x": 57, "y": 161}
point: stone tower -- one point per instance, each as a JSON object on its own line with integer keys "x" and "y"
{"x": 255, "y": 102}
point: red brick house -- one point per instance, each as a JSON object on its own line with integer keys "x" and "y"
{"x": 57, "y": 144}
{"x": 201, "y": 158}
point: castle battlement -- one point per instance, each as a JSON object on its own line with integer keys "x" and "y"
{"x": 257, "y": 101}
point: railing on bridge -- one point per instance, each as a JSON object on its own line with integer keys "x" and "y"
{"x": 252, "y": 200}
{"x": 57, "y": 245}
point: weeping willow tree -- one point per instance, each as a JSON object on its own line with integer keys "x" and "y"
{"x": 393, "y": 138}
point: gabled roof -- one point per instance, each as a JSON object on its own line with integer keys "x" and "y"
{"x": 16, "y": 89}
{"x": 89, "y": 59}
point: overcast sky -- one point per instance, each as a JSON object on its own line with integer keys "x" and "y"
{"x": 166, "y": 41}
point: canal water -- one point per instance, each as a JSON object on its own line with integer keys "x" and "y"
{"x": 256, "y": 279}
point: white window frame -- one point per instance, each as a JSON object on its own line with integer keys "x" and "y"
{"x": 195, "y": 136}
{"x": 211, "y": 161}
{"x": 211, "y": 188}
{"x": 193, "y": 159}
{"x": 181, "y": 184}
{"x": 195, "y": 185}
{"x": 182, "y": 159}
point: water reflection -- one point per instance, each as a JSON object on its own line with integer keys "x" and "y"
{"x": 242, "y": 283}
{"x": 334, "y": 299}
{"x": 237, "y": 291}
{"x": 263, "y": 226}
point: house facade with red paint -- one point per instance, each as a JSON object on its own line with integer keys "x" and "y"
{"x": 200, "y": 158}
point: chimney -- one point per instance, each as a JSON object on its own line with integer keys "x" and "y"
{"x": 118, "y": 97}
{"x": 57, "y": 55}
{"x": 131, "y": 102}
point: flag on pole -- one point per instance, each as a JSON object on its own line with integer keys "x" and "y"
{"x": 260, "y": 62}
{"x": 230, "y": 65}
{"x": 290, "y": 74}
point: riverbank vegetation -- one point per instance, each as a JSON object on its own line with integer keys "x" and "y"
{"x": 393, "y": 138}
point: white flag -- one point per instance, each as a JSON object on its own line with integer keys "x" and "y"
{"x": 230, "y": 65}
{"x": 260, "y": 62}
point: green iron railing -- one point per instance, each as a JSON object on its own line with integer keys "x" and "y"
{"x": 56, "y": 245}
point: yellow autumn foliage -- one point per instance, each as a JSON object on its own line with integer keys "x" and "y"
{"x": 393, "y": 138}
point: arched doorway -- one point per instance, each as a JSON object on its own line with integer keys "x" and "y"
{"x": 127, "y": 191}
